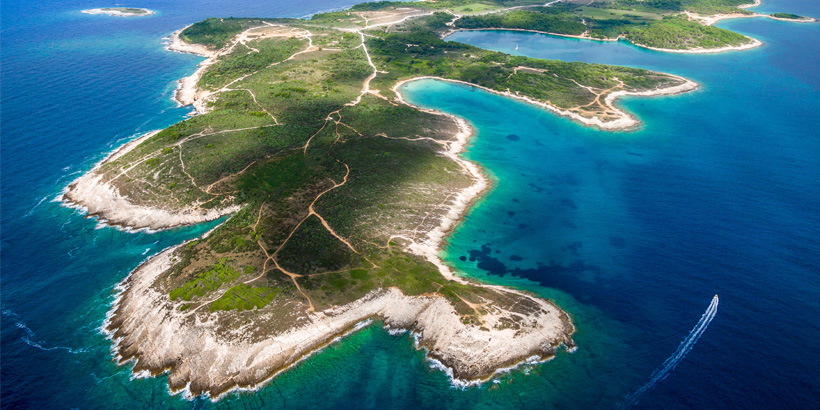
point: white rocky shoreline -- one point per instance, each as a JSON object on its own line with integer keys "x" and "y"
{"x": 144, "y": 326}
{"x": 148, "y": 329}
{"x": 187, "y": 93}
{"x": 97, "y": 198}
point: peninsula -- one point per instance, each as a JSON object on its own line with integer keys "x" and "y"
{"x": 120, "y": 11}
{"x": 339, "y": 194}
{"x": 677, "y": 26}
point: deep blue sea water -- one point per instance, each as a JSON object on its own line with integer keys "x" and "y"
{"x": 631, "y": 232}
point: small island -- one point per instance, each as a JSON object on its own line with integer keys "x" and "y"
{"x": 792, "y": 17}
{"x": 339, "y": 194}
{"x": 120, "y": 11}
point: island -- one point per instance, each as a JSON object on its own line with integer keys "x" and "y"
{"x": 120, "y": 11}
{"x": 792, "y": 17}
{"x": 336, "y": 196}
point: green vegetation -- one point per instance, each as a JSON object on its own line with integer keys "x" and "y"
{"x": 416, "y": 53}
{"x": 244, "y": 297}
{"x": 651, "y": 23}
{"x": 206, "y": 281}
{"x": 381, "y": 5}
{"x": 715, "y": 6}
{"x": 241, "y": 62}
{"x": 680, "y": 33}
{"x": 335, "y": 184}
{"x": 526, "y": 20}
{"x": 407, "y": 272}
{"x": 674, "y": 6}
{"x": 622, "y": 16}
{"x": 215, "y": 33}
{"x": 788, "y": 16}
{"x": 476, "y": 7}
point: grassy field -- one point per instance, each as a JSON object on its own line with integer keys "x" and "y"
{"x": 632, "y": 16}
{"x": 680, "y": 33}
{"x": 215, "y": 33}
{"x": 244, "y": 297}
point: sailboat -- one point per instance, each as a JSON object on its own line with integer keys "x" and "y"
{"x": 516, "y": 46}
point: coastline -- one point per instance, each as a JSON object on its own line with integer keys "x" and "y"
{"x": 754, "y": 3}
{"x": 142, "y": 315}
{"x": 801, "y": 20}
{"x": 179, "y": 45}
{"x": 187, "y": 92}
{"x": 144, "y": 326}
{"x": 150, "y": 330}
{"x": 580, "y": 37}
{"x": 461, "y": 204}
{"x": 752, "y": 41}
{"x": 625, "y": 121}
{"x": 96, "y": 198}
{"x": 714, "y": 18}
{"x": 752, "y": 44}
{"x": 449, "y": 344}
{"x": 709, "y": 20}
{"x": 706, "y": 20}
{"x": 615, "y": 357}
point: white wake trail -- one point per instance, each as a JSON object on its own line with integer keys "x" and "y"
{"x": 669, "y": 364}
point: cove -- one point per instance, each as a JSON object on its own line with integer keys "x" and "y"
{"x": 712, "y": 194}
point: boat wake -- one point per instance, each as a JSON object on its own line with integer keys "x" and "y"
{"x": 685, "y": 346}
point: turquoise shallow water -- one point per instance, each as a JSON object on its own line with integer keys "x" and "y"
{"x": 631, "y": 232}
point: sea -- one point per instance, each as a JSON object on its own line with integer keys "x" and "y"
{"x": 633, "y": 232}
